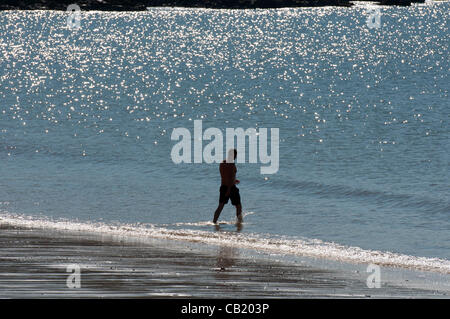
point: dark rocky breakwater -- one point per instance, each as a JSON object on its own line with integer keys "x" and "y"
{"x": 139, "y": 5}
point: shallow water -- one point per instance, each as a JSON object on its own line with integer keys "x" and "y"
{"x": 86, "y": 118}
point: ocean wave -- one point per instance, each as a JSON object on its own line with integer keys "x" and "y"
{"x": 383, "y": 198}
{"x": 288, "y": 246}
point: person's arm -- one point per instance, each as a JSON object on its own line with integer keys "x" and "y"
{"x": 228, "y": 176}
{"x": 235, "y": 181}
{"x": 223, "y": 176}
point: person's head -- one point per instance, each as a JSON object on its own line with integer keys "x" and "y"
{"x": 232, "y": 154}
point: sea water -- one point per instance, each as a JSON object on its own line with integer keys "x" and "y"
{"x": 86, "y": 116}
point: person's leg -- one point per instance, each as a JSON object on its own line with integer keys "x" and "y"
{"x": 236, "y": 201}
{"x": 239, "y": 213}
{"x": 217, "y": 212}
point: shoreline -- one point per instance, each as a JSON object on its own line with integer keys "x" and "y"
{"x": 33, "y": 264}
{"x": 142, "y": 5}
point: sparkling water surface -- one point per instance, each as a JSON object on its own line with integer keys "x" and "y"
{"x": 86, "y": 118}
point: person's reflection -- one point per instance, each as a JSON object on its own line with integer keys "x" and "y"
{"x": 227, "y": 254}
{"x": 239, "y": 227}
{"x": 226, "y": 258}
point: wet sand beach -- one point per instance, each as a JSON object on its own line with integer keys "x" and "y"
{"x": 34, "y": 264}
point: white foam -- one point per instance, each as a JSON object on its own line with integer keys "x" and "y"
{"x": 210, "y": 223}
{"x": 300, "y": 247}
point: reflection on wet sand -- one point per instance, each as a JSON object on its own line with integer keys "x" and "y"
{"x": 33, "y": 265}
{"x": 239, "y": 227}
{"x": 226, "y": 257}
